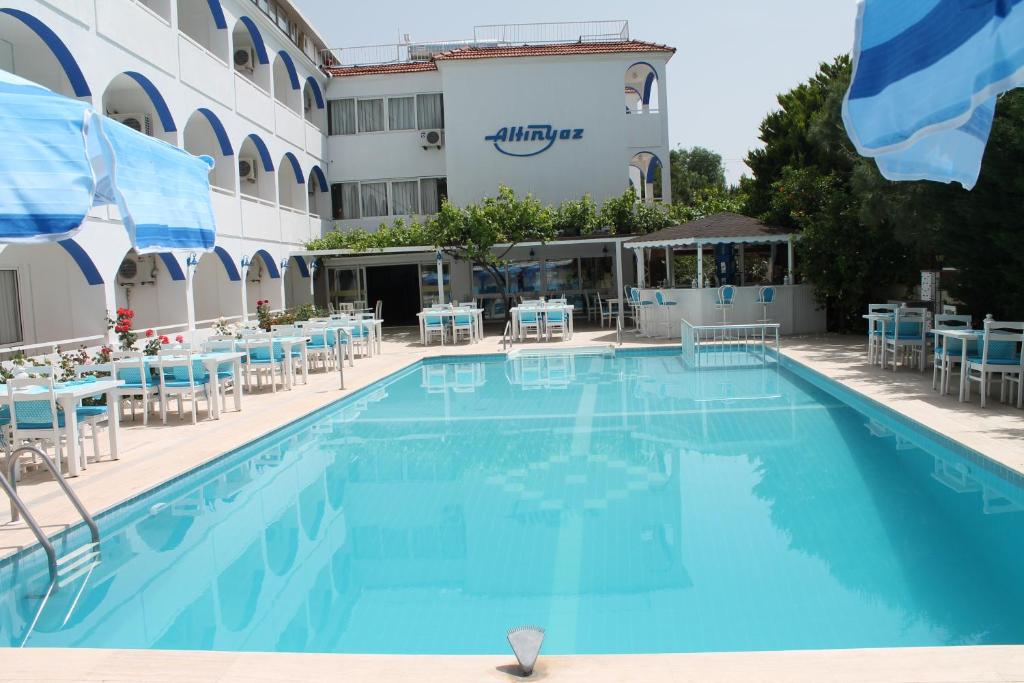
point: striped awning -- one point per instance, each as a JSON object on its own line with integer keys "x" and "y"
{"x": 60, "y": 158}
{"x": 925, "y": 77}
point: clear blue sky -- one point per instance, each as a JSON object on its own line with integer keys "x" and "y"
{"x": 733, "y": 56}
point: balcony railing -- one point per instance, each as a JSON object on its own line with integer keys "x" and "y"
{"x": 491, "y": 35}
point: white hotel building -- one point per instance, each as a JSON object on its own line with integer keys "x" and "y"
{"x": 307, "y": 140}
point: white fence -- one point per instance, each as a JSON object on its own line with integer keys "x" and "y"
{"x": 729, "y": 345}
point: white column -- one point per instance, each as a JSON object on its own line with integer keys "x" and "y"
{"x": 244, "y": 271}
{"x": 440, "y": 279}
{"x": 110, "y": 301}
{"x": 619, "y": 285}
{"x": 789, "y": 259}
{"x": 640, "y": 275}
{"x": 700, "y": 265}
{"x": 284, "y": 287}
{"x": 669, "y": 269}
{"x": 190, "y": 299}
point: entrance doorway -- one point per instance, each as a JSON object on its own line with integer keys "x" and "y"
{"x": 399, "y": 288}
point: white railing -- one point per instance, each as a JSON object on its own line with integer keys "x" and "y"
{"x": 729, "y": 345}
{"x": 48, "y": 348}
{"x": 554, "y": 32}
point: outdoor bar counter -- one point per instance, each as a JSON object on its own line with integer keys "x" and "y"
{"x": 794, "y": 309}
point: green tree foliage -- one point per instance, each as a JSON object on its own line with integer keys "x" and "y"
{"x": 624, "y": 215}
{"x": 484, "y": 233}
{"x": 576, "y": 217}
{"x": 694, "y": 171}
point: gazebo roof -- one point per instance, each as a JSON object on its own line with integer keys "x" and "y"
{"x": 714, "y": 229}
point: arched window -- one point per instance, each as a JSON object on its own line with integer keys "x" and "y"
{"x": 313, "y": 109}
{"x": 256, "y": 175}
{"x": 135, "y": 101}
{"x": 287, "y": 87}
{"x": 645, "y": 176}
{"x": 205, "y": 25}
{"x": 249, "y": 53}
{"x": 38, "y": 54}
{"x": 205, "y": 134}
{"x": 641, "y": 89}
{"x": 318, "y": 194}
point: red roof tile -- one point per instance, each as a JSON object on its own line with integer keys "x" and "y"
{"x": 472, "y": 52}
{"x": 398, "y": 68}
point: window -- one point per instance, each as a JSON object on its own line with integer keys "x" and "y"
{"x": 344, "y": 200}
{"x": 405, "y": 198}
{"x": 430, "y": 111}
{"x": 432, "y": 191}
{"x": 10, "y": 308}
{"x": 341, "y": 117}
{"x": 375, "y": 199}
{"x": 371, "y": 115}
{"x": 401, "y": 113}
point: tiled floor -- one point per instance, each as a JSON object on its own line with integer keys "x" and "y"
{"x": 153, "y": 454}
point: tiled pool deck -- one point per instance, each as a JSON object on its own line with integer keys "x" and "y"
{"x": 156, "y": 453}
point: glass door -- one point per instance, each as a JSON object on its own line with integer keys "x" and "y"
{"x": 347, "y": 285}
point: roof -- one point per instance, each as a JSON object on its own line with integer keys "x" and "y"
{"x": 713, "y": 229}
{"x": 497, "y": 52}
{"x": 493, "y": 52}
{"x": 371, "y": 69}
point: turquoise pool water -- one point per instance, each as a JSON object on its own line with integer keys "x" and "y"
{"x": 627, "y": 505}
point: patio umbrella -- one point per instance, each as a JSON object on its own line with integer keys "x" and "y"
{"x": 61, "y": 158}
{"x": 925, "y": 77}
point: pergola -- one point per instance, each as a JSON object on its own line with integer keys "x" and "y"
{"x": 719, "y": 228}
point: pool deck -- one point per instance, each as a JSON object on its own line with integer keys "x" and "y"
{"x": 154, "y": 454}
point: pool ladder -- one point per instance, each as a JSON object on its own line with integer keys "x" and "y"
{"x": 80, "y": 561}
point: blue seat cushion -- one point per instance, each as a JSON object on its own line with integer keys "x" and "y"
{"x": 90, "y": 411}
{"x": 49, "y": 425}
{"x": 995, "y": 360}
{"x": 183, "y": 383}
{"x": 5, "y": 415}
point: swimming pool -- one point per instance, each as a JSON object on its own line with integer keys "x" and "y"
{"x": 626, "y": 504}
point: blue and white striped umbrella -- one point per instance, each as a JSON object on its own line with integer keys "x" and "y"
{"x": 61, "y": 158}
{"x": 925, "y": 77}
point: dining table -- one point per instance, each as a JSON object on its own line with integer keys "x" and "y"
{"x": 477, "y": 314}
{"x": 375, "y": 326}
{"x": 542, "y": 310}
{"x": 68, "y": 395}
{"x": 211, "y": 361}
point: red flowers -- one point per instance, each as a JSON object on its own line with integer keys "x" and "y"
{"x": 125, "y": 313}
{"x": 263, "y": 302}
{"x": 180, "y": 339}
{"x": 164, "y": 339}
{"x": 149, "y": 333}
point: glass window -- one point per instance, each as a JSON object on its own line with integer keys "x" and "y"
{"x": 430, "y": 111}
{"x": 428, "y": 283}
{"x": 432, "y": 192}
{"x": 562, "y": 275}
{"x": 374, "y": 199}
{"x": 405, "y": 198}
{"x": 524, "y": 277}
{"x": 597, "y": 274}
{"x": 10, "y": 308}
{"x": 371, "y": 115}
{"x": 341, "y": 117}
{"x": 401, "y": 113}
{"x": 344, "y": 200}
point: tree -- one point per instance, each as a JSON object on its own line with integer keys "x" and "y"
{"x": 624, "y": 215}
{"x": 693, "y": 171}
{"x": 576, "y": 217}
{"x": 485, "y": 233}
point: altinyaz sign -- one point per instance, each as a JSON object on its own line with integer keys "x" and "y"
{"x": 530, "y": 140}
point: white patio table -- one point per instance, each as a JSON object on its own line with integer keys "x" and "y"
{"x": 287, "y": 344}
{"x": 68, "y": 395}
{"x": 478, "y": 320}
{"x": 210, "y": 362}
{"x": 542, "y": 310}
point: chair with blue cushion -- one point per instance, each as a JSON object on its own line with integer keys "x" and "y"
{"x": 433, "y": 325}
{"x": 663, "y": 305}
{"x": 137, "y": 385}
{"x": 35, "y": 417}
{"x": 725, "y": 298}
{"x": 638, "y": 306}
{"x": 462, "y": 324}
{"x": 948, "y": 353}
{"x": 264, "y": 357}
{"x": 999, "y": 353}
{"x": 904, "y": 340}
{"x": 183, "y": 377}
{"x": 876, "y": 329}
{"x": 765, "y": 297}
{"x": 529, "y": 319}
{"x": 556, "y": 319}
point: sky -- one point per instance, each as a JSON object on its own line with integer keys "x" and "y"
{"x": 733, "y": 56}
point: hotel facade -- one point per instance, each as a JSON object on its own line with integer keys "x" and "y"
{"x": 308, "y": 139}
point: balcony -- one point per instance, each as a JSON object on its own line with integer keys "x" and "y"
{"x": 225, "y": 212}
{"x": 645, "y": 130}
{"x": 204, "y": 71}
{"x": 260, "y": 219}
{"x": 318, "y": 226}
{"x": 140, "y": 30}
{"x": 294, "y": 225}
{"x": 289, "y": 125}
{"x": 253, "y": 102}
{"x": 316, "y": 143}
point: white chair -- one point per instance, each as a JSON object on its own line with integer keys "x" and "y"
{"x": 1000, "y": 354}
{"x": 765, "y": 297}
{"x": 321, "y": 345}
{"x": 35, "y": 417}
{"x": 556, "y": 319}
{"x": 225, "y": 370}
{"x": 434, "y": 325}
{"x": 877, "y": 327}
{"x": 664, "y": 306}
{"x": 263, "y": 357}
{"x": 725, "y": 299}
{"x": 137, "y": 385}
{"x": 948, "y": 353}
{"x": 904, "y": 340}
{"x": 378, "y": 309}
{"x": 181, "y": 377}
{"x": 529, "y": 319}
{"x": 604, "y": 310}
{"x": 462, "y": 323}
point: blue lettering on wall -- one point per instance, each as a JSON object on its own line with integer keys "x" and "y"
{"x": 543, "y": 134}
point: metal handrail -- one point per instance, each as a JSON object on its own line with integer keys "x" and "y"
{"x": 506, "y": 336}
{"x": 618, "y": 330}
{"x": 10, "y": 484}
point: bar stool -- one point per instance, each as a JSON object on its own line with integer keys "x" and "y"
{"x": 724, "y": 300}
{"x": 765, "y": 297}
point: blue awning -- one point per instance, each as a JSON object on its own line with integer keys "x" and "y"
{"x": 61, "y": 158}
{"x": 925, "y": 77}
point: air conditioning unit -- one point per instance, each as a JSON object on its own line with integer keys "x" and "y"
{"x": 432, "y": 138}
{"x": 245, "y": 59}
{"x": 247, "y": 169}
{"x": 136, "y": 270}
{"x": 140, "y": 122}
